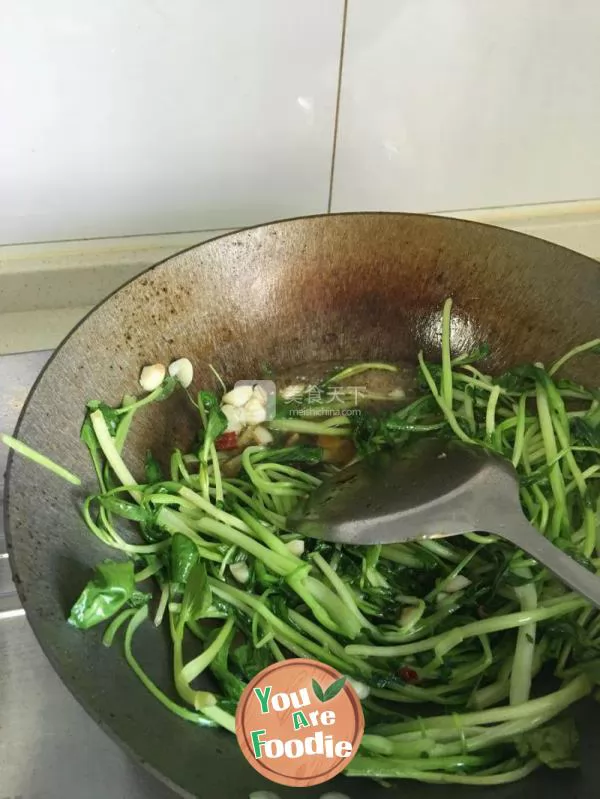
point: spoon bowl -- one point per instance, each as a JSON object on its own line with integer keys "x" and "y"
{"x": 432, "y": 489}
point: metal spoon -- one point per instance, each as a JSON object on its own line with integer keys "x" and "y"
{"x": 434, "y": 489}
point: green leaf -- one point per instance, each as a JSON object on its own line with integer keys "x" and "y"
{"x": 128, "y": 510}
{"x": 151, "y": 531}
{"x": 266, "y": 578}
{"x": 297, "y": 454}
{"x": 197, "y": 596}
{"x": 563, "y": 384}
{"x": 184, "y": 556}
{"x": 574, "y": 552}
{"x": 368, "y": 433}
{"x": 88, "y": 436}
{"x": 250, "y": 661}
{"x": 568, "y": 631}
{"x": 231, "y": 685}
{"x": 555, "y": 744}
{"x": 139, "y": 598}
{"x": 279, "y": 604}
{"x": 215, "y": 421}
{"x": 318, "y": 691}
{"x": 513, "y": 579}
{"x": 111, "y": 587}
{"x": 478, "y": 354}
{"x": 142, "y": 514}
{"x": 111, "y": 417}
{"x": 334, "y": 689}
{"x": 520, "y": 378}
{"x": 208, "y": 401}
{"x": 371, "y": 556}
{"x": 152, "y": 469}
{"x": 391, "y": 680}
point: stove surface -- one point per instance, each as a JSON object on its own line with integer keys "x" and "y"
{"x": 49, "y": 747}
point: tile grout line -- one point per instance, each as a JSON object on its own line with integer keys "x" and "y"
{"x": 337, "y": 105}
{"x": 124, "y": 237}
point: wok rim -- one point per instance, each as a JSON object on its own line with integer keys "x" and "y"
{"x": 80, "y": 695}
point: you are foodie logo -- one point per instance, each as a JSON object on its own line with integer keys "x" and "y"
{"x": 299, "y": 722}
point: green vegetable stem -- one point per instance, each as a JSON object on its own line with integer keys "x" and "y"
{"x": 443, "y": 639}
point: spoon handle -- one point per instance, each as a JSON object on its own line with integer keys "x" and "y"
{"x": 576, "y": 576}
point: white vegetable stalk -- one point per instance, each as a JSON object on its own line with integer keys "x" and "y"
{"x": 457, "y": 584}
{"x": 410, "y": 616}
{"x": 115, "y": 461}
{"x": 40, "y": 459}
{"x": 522, "y": 668}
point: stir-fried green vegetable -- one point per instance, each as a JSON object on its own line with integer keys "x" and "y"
{"x": 444, "y": 639}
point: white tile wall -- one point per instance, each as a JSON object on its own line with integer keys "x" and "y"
{"x": 450, "y": 104}
{"x": 153, "y": 116}
{"x": 163, "y": 115}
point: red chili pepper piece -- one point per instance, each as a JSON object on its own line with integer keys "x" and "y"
{"x": 408, "y": 674}
{"x": 227, "y": 441}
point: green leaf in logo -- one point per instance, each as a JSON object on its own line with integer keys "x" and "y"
{"x": 334, "y": 689}
{"x": 328, "y": 693}
{"x": 318, "y": 691}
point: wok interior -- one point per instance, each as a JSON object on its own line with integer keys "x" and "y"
{"x": 356, "y": 286}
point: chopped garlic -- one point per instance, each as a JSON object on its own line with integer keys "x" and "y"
{"x": 152, "y": 376}
{"x": 397, "y": 393}
{"x": 362, "y": 690}
{"x": 262, "y": 436}
{"x": 238, "y": 396}
{"x": 240, "y": 571}
{"x": 260, "y": 394}
{"x": 256, "y": 413}
{"x": 236, "y": 418}
{"x": 296, "y": 547}
{"x": 183, "y": 370}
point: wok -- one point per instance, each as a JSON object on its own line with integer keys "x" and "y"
{"x": 360, "y": 286}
